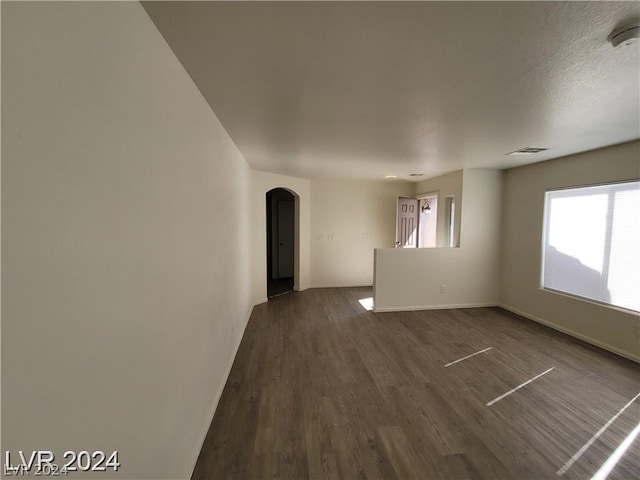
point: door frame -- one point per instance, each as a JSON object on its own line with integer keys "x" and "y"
{"x": 296, "y": 236}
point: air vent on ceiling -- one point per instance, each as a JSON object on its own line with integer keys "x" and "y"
{"x": 528, "y": 151}
{"x": 416, "y": 174}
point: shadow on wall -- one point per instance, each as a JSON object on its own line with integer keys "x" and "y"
{"x": 569, "y": 275}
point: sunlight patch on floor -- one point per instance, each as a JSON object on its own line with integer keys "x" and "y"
{"x": 367, "y": 303}
{"x": 605, "y": 470}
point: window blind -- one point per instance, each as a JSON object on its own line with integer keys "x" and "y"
{"x": 592, "y": 243}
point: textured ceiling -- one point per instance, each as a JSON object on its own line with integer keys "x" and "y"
{"x": 368, "y": 89}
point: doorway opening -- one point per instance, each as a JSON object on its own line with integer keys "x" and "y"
{"x": 428, "y": 220}
{"x": 280, "y": 206}
{"x": 417, "y": 221}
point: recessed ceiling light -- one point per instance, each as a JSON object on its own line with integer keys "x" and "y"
{"x": 527, "y": 151}
{"x": 390, "y": 177}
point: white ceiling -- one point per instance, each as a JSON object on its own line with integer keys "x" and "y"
{"x": 368, "y": 89}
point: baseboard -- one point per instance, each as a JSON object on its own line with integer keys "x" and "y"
{"x": 340, "y": 285}
{"x": 262, "y": 300}
{"x": 432, "y": 307}
{"x": 572, "y": 333}
{"x": 219, "y": 393}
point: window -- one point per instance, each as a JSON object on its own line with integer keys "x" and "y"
{"x": 450, "y": 213}
{"x": 592, "y": 243}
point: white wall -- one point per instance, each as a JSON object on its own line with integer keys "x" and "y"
{"x": 261, "y": 183}
{"x": 125, "y": 261}
{"x": 410, "y": 279}
{"x": 607, "y": 327}
{"x": 350, "y": 219}
{"x": 446, "y": 185}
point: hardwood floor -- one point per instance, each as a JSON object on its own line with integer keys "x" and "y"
{"x": 322, "y": 388}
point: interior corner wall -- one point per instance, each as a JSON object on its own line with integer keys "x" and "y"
{"x": 448, "y": 185}
{"x": 610, "y": 328}
{"x": 261, "y": 183}
{"x": 125, "y": 268}
{"x": 350, "y": 219}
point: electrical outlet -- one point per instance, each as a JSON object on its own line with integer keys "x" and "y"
{"x": 442, "y": 287}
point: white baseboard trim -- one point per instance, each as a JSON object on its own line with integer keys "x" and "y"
{"x": 432, "y": 307}
{"x": 219, "y": 393}
{"x": 262, "y": 300}
{"x": 339, "y": 285}
{"x": 572, "y": 333}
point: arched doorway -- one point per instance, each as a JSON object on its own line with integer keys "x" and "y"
{"x": 281, "y": 224}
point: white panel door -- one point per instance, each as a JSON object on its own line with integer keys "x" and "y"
{"x": 407, "y": 225}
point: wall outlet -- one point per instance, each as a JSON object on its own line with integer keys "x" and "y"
{"x": 442, "y": 287}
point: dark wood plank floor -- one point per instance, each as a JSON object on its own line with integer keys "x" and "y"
{"x": 322, "y": 388}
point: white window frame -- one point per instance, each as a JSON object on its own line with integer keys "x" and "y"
{"x": 545, "y": 232}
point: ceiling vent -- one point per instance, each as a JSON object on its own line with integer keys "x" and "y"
{"x": 528, "y": 151}
{"x": 416, "y": 174}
